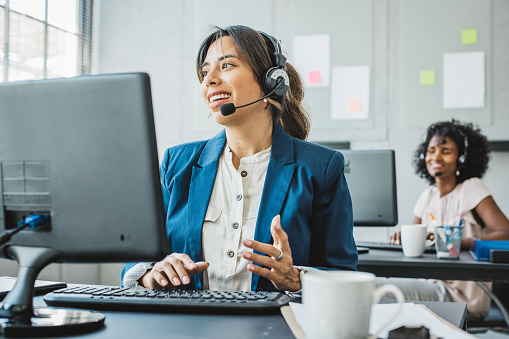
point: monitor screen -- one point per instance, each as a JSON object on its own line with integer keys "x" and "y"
{"x": 83, "y": 151}
{"x": 371, "y": 178}
{"x": 79, "y": 153}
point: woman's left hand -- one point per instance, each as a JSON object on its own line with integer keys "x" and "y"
{"x": 282, "y": 273}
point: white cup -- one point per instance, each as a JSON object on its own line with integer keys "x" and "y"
{"x": 337, "y": 304}
{"x": 413, "y": 240}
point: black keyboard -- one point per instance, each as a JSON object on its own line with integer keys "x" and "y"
{"x": 174, "y": 300}
{"x": 388, "y": 246}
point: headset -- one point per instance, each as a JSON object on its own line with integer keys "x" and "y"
{"x": 276, "y": 79}
{"x": 463, "y": 158}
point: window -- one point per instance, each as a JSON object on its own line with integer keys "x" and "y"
{"x": 44, "y": 38}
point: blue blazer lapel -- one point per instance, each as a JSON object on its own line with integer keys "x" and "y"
{"x": 277, "y": 182}
{"x": 200, "y": 190}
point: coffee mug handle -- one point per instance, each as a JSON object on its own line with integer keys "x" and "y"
{"x": 378, "y": 294}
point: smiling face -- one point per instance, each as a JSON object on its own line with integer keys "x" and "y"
{"x": 227, "y": 78}
{"x": 441, "y": 157}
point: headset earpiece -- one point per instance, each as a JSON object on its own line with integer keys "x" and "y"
{"x": 272, "y": 78}
{"x": 463, "y": 158}
{"x": 276, "y": 77}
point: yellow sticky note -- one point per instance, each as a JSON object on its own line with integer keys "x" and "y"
{"x": 469, "y": 36}
{"x": 427, "y": 77}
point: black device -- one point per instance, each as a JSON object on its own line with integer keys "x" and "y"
{"x": 376, "y": 245}
{"x": 40, "y": 287}
{"x": 173, "y": 300}
{"x": 371, "y": 179}
{"x": 275, "y": 83}
{"x": 501, "y": 256}
{"x": 409, "y": 332}
{"x": 273, "y": 76}
{"x": 82, "y": 151}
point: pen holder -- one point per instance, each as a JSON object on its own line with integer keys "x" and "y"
{"x": 448, "y": 241}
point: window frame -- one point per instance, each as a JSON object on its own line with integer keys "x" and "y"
{"x": 84, "y": 34}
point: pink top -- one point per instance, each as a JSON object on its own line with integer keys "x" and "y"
{"x": 448, "y": 210}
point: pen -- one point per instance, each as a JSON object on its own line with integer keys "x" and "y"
{"x": 433, "y": 220}
{"x": 461, "y": 222}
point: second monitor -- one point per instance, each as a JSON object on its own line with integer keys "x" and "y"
{"x": 371, "y": 178}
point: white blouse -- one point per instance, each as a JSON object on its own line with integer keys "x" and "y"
{"x": 230, "y": 218}
{"x": 448, "y": 210}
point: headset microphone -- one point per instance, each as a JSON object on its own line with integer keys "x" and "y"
{"x": 228, "y": 109}
{"x": 437, "y": 174}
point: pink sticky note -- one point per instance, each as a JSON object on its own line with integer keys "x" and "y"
{"x": 315, "y": 77}
{"x": 354, "y": 105}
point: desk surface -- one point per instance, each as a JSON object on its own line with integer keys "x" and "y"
{"x": 153, "y": 325}
{"x": 385, "y": 263}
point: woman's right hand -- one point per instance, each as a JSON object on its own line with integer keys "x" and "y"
{"x": 172, "y": 271}
{"x": 395, "y": 238}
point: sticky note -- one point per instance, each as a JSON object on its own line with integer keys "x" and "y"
{"x": 469, "y": 36}
{"x": 315, "y": 77}
{"x": 354, "y": 105}
{"x": 427, "y": 77}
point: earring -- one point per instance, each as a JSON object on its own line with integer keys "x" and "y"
{"x": 457, "y": 173}
{"x": 264, "y": 100}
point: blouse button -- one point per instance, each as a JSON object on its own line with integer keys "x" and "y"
{"x": 243, "y": 173}
{"x": 235, "y": 225}
{"x": 239, "y": 197}
{"x": 231, "y": 254}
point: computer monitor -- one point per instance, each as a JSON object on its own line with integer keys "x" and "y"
{"x": 83, "y": 152}
{"x": 371, "y": 178}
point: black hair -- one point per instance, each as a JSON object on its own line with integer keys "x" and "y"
{"x": 477, "y": 150}
{"x": 257, "y": 50}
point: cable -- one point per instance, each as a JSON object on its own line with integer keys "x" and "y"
{"x": 495, "y": 300}
{"x": 32, "y": 221}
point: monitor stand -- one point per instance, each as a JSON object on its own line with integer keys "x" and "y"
{"x": 22, "y": 318}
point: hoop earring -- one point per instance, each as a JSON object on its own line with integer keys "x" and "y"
{"x": 457, "y": 173}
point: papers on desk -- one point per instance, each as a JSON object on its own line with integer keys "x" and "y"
{"x": 412, "y": 314}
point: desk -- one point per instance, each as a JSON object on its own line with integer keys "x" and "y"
{"x": 384, "y": 263}
{"x": 154, "y": 325}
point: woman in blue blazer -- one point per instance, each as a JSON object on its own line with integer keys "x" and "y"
{"x": 255, "y": 207}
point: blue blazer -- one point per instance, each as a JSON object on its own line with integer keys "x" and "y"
{"x": 305, "y": 184}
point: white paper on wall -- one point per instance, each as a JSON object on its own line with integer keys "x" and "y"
{"x": 311, "y": 57}
{"x": 350, "y": 93}
{"x": 464, "y": 80}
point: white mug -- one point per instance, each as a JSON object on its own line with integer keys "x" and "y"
{"x": 413, "y": 240}
{"x": 337, "y": 304}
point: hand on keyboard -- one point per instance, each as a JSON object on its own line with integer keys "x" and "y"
{"x": 395, "y": 238}
{"x": 174, "y": 270}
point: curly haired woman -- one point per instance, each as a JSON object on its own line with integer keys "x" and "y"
{"x": 452, "y": 159}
